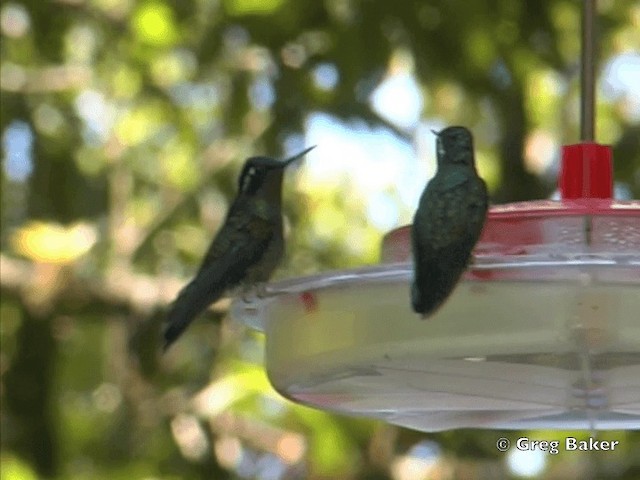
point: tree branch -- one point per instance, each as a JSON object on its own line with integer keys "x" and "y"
{"x": 118, "y": 289}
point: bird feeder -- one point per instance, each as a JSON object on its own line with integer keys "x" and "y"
{"x": 542, "y": 332}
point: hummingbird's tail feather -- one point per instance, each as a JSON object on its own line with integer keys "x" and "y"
{"x": 427, "y": 300}
{"x": 191, "y": 302}
{"x": 418, "y": 302}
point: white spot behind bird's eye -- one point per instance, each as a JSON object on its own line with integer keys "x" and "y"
{"x": 248, "y": 178}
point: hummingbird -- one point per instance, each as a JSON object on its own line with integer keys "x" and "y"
{"x": 246, "y": 249}
{"x": 448, "y": 221}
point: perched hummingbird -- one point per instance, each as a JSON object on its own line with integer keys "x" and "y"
{"x": 247, "y": 248}
{"x": 448, "y": 222}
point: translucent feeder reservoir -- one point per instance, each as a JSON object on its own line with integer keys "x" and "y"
{"x": 542, "y": 332}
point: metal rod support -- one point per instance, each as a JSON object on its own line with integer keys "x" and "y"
{"x": 587, "y": 72}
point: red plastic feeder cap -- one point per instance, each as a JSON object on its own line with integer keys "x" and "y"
{"x": 586, "y": 171}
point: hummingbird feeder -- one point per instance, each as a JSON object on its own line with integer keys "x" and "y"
{"x": 543, "y": 332}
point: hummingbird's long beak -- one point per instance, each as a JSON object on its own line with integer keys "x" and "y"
{"x": 299, "y": 155}
{"x": 437, "y": 134}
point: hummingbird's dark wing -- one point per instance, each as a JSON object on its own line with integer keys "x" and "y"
{"x": 446, "y": 227}
{"x": 238, "y": 246}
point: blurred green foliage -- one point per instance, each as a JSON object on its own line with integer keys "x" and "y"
{"x": 138, "y": 115}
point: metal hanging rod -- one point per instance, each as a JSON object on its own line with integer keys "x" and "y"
{"x": 587, "y": 72}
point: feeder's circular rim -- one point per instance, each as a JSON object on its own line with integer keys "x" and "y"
{"x": 578, "y": 206}
{"x": 254, "y": 301}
